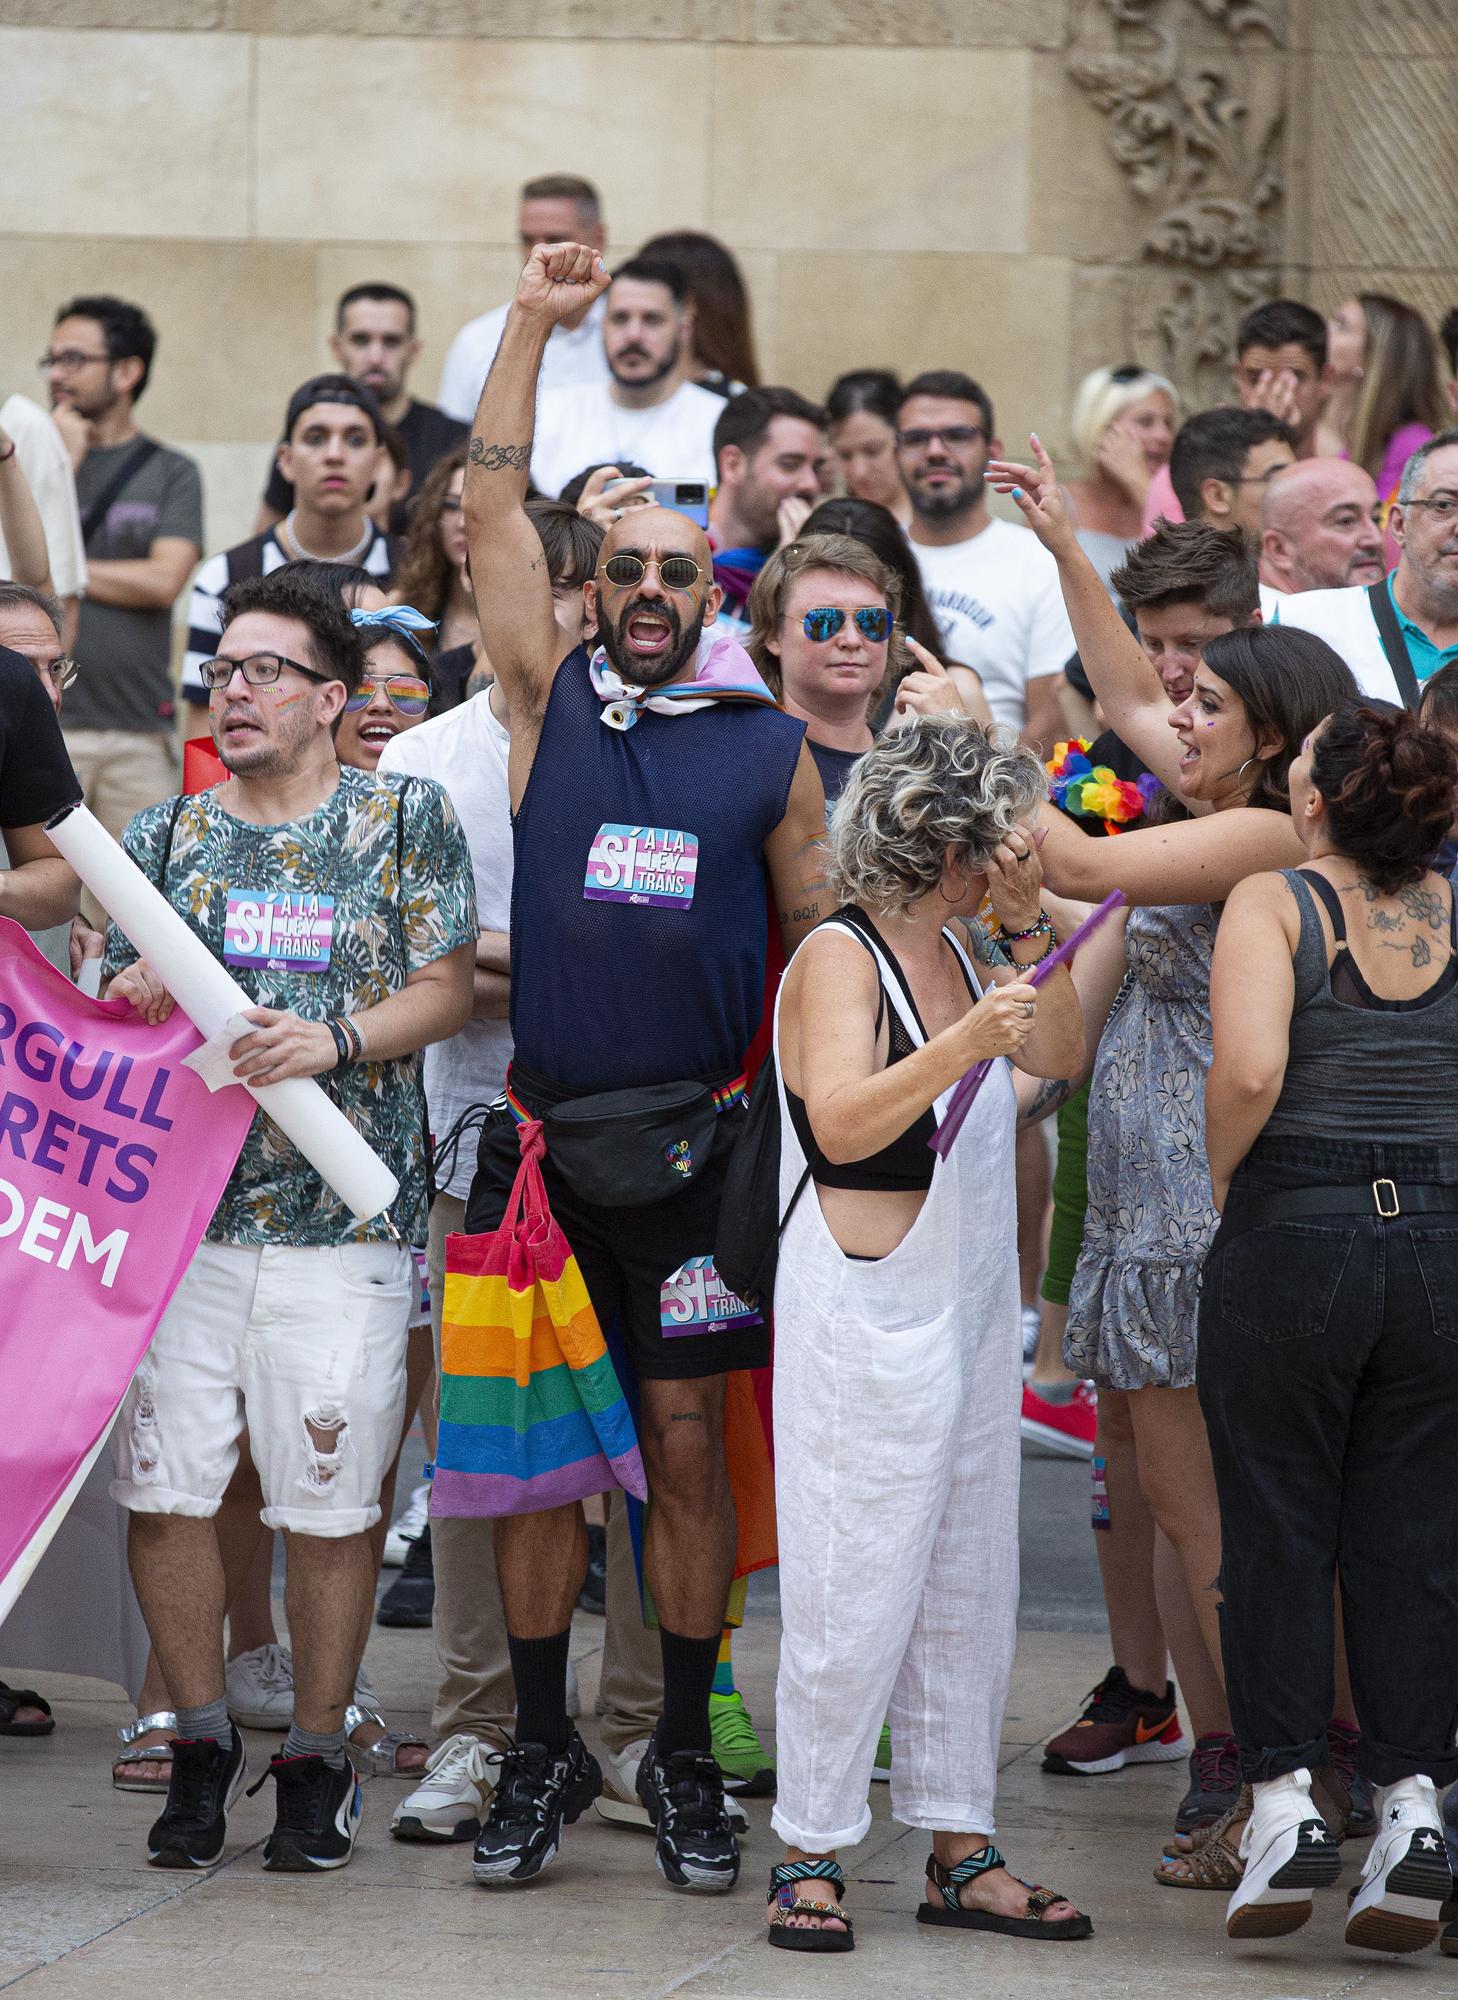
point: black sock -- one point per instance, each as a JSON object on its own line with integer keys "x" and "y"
{"x": 539, "y": 1668}
{"x": 688, "y": 1677}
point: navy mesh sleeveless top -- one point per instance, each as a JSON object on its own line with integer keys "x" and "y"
{"x": 638, "y": 913}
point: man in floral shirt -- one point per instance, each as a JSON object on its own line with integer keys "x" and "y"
{"x": 343, "y": 903}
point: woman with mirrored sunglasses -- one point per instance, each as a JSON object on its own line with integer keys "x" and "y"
{"x": 395, "y": 693}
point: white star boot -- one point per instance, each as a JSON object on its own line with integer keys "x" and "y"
{"x": 1287, "y": 1853}
{"x": 1406, "y": 1878}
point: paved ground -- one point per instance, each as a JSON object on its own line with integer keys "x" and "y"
{"x": 83, "y": 1918}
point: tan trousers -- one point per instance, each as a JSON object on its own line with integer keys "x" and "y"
{"x": 120, "y": 772}
{"x": 476, "y": 1694}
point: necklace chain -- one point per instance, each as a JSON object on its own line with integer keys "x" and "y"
{"x": 349, "y": 555}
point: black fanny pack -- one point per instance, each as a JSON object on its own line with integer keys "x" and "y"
{"x": 626, "y": 1148}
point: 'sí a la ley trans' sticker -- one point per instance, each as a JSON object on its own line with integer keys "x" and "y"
{"x": 286, "y": 930}
{"x": 696, "y": 1300}
{"x": 642, "y": 864}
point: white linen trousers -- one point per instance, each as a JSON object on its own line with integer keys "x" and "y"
{"x": 897, "y": 1389}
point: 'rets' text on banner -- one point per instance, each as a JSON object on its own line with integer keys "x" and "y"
{"x": 113, "y": 1156}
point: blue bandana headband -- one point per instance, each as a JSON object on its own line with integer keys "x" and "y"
{"x": 400, "y": 621}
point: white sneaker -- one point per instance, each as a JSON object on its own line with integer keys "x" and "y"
{"x": 1288, "y": 1852}
{"x": 408, "y": 1527}
{"x": 259, "y": 1687}
{"x": 1406, "y": 1878}
{"x": 450, "y": 1800}
{"x": 618, "y": 1802}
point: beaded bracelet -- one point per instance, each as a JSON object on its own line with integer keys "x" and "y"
{"x": 1044, "y": 923}
{"x": 356, "y": 1039}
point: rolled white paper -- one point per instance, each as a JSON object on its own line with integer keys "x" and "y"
{"x": 208, "y": 994}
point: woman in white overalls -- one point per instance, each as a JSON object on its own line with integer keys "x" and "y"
{"x": 897, "y": 1351}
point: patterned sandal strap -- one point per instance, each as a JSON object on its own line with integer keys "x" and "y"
{"x": 1041, "y": 1900}
{"x": 951, "y": 1881}
{"x": 786, "y": 1874}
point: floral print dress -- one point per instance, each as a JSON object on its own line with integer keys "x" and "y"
{"x": 1135, "y": 1297}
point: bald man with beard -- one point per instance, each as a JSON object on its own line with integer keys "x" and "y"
{"x": 653, "y": 787}
{"x": 1320, "y": 527}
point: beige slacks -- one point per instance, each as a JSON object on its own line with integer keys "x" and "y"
{"x": 476, "y": 1695}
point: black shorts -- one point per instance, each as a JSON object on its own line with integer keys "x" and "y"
{"x": 650, "y": 1268}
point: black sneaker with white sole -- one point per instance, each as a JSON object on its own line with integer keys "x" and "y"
{"x": 206, "y": 1779}
{"x": 684, "y": 1797}
{"x": 320, "y": 1807}
{"x": 537, "y": 1792}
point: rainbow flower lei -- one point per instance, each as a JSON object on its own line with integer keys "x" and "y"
{"x": 1091, "y": 791}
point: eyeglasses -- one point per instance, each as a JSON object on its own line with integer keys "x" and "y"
{"x": 1442, "y": 506}
{"x": 952, "y": 434}
{"x": 259, "y": 670}
{"x": 826, "y": 620}
{"x": 674, "y": 572}
{"x": 67, "y": 361}
{"x": 60, "y": 673}
{"x": 405, "y": 691}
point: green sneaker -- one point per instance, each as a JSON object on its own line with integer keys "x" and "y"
{"x": 881, "y": 1769}
{"x": 748, "y": 1768}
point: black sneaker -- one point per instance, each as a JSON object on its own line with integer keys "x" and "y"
{"x": 1214, "y": 1782}
{"x": 593, "y": 1594}
{"x": 684, "y": 1797}
{"x": 319, "y": 1810}
{"x": 206, "y": 1779}
{"x": 410, "y": 1600}
{"x": 536, "y": 1792}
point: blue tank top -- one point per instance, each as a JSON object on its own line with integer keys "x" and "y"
{"x": 638, "y": 910}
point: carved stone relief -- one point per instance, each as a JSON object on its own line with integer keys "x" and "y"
{"x": 1192, "y": 91}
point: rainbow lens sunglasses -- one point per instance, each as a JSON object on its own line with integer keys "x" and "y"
{"x": 406, "y": 692}
{"x": 825, "y": 621}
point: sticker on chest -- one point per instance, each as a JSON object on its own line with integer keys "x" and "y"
{"x": 283, "y": 929}
{"x": 695, "y": 1299}
{"x": 656, "y": 865}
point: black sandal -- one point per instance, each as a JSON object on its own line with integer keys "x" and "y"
{"x": 784, "y": 1904}
{"x": 951, "y": 1882}
{"x": 12, "y": 1700}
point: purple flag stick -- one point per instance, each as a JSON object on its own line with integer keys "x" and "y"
{"x": 961, "y": 1099}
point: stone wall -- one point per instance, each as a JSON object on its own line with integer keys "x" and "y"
{"x": 1019, "y": 187}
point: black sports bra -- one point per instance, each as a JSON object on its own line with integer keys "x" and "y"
{"x": 905, "y": 1165}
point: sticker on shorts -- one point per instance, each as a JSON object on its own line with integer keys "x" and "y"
{"x": 642, "y": 864}
{"x": 283, "y": 929}
{"x": 696, "y": 1300}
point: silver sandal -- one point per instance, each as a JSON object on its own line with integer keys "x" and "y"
{"x": 377, "y": 1760}
{"x": 151, "y": 1753}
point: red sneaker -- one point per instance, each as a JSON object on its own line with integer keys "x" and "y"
{"x": 1120, "y": 1725}
{"x": 1064, "y": 1428}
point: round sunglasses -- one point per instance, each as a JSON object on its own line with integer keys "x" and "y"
{"x": 674, "y": 572}
{"x": 872, "y": 622}
{"x": 406, "y": 692}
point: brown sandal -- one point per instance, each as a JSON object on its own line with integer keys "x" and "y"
{"x": 1216, "y": 1862}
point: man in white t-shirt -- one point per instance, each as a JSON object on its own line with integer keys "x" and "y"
{"x": 555, "y": 208}
{"x": 993, "y": 588}
{"x": 1422, "y": 591}
{"x": 41, "y": 454}
{"x": 648, "y": 410}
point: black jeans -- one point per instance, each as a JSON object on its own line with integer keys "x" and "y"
{"x": 1328, "y": 1376}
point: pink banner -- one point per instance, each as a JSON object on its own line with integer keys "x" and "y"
{"x": 112, "y": 1159}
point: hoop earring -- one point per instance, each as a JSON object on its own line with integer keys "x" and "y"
{"x": 1240, "y": 774}
{"x": 949, "y": 899}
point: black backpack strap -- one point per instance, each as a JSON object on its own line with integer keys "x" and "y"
{"x": 122, "y": 475}
{"x": 172, "y": 818}
{"x": 1394, "y": 645}
{"x": 431, "y": 1190}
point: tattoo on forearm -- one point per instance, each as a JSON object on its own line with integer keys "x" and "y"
{"x": 685, "y": 1417}
{"x": 499, "y": 457}
{"x": 1052, "y": 1092}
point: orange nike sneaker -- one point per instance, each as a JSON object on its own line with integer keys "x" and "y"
{"x": 1121, "y": 1725}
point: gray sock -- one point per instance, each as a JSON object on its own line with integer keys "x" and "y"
{"x": 209, "y": 1720}
{"x": 328, "y": 1744}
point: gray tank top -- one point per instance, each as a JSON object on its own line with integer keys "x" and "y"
{"x": 1362, "y": 1067}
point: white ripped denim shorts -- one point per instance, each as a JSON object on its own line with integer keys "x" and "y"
{"x": 305, "y": 1348}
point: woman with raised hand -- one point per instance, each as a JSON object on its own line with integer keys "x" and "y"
{"x": 897, "y": 1356}
{"x": 1123, "y": 425}
{"x": 1223, "y": 753}
{"x": 1328, "y": 1338}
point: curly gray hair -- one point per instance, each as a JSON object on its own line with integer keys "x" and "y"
{"x": 936, "y": 784}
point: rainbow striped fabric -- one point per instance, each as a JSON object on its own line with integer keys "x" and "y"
{"x": 531, "y": 1411}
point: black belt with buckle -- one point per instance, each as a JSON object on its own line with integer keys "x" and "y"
{"x": 1385, "y": 1200}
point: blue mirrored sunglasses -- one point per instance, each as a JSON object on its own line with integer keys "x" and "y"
{"x": 825, "y": 621}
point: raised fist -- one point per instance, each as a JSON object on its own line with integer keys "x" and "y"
{"x": 560, "y": 281}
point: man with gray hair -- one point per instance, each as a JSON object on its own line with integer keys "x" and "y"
{"x": 31, "y": 623}
{"x": 1321, "y": 528}
{"x": 555, "y": 208}
{"x": 1396, "y": 633}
